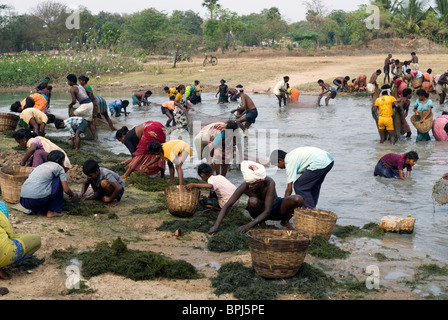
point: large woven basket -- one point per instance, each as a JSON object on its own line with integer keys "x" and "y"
{"x": 277, "y": 254}
{"x": 11, "y": 181}
{"x": 315, "y": 222}
{"x": 8, "y": 121}
{"x": 440, "y": 191}
{"x": 181, "y": 202}
{"x": 424, "y": 127}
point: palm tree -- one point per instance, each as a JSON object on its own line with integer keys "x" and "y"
{"x": 412, "y": 12}
{"x": 442, "y": 9}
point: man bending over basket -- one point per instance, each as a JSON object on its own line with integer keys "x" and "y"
{"x": 263, "y": 203}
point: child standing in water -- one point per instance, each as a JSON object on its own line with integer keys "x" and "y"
{"x": 392, "y": 165}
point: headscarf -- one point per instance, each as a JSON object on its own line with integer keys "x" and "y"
{"x": 4, "y": 209}
{"x": 253, "y": 172}
{"x": 416, "y": 74}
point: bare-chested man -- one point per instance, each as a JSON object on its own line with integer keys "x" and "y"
{"x": 263, "y": 203}
{"x": 372, "y": 86}
{"x": 247, "y": 112}
{"x": 414, "y": 61}
{"x": 403, "y": 104}
{"x": 386, "y": 69}
{"x": 326, "y": 88}
{"x": 440, "y": 87}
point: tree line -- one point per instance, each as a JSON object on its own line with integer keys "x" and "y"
{"x": 155, "y": 32}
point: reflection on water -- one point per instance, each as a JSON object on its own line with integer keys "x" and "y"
{"x": 345, "y": 129}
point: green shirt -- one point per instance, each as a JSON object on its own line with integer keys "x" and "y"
{"x": 307, "y": 158}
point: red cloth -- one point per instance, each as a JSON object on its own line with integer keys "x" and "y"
{"x": 153, "y": 131}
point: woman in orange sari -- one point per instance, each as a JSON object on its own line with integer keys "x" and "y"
{"x": 428, "y": 81}
{"x": 137, "y": 141}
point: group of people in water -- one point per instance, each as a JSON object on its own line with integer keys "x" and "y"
{"x": 216, "y": 146}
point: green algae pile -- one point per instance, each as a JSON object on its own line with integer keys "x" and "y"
{"x": 85, "y": 209}
{"x": 228, "y": 241}
{"x": 321, "y": 248}
{"x": 149, "y": 184}
{"x": 243, "y": 282}
{"x": 370, "y": 230}
{"x": 133, "y": 264}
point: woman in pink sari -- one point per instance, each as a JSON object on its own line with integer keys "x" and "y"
{"x": 137, "y": 141}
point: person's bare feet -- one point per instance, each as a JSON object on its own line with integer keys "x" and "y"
{"x": 113, "y": 204}
{"x": 4, "y": 275}
{"x": 51, "y": 214}
{"x": 287, "y": 225}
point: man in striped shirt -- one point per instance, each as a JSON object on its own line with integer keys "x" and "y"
{"x": 76, "y": 126}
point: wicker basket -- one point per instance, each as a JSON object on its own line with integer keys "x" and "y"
{"x": 315, "y": 222}
{"x": 11, "y": 181}
{"x": 181, "y": 202}
{"x": 277, "y": 254}
{"x": 8, "y": 121}
{"x": 424, "y": 127}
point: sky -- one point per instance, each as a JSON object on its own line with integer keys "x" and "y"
{"x": 291, "y": 10}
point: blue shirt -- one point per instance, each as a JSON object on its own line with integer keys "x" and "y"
{"x": 423, "y": 107}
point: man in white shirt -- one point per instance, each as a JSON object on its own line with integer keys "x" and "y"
{"x": 281, "y": 91}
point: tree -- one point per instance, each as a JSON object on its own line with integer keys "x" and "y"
{"x": 147, "y": 29}
{"x": 412, "y": 13}
{"x": 212, "y": 6}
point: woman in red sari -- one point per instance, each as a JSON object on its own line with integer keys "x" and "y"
{"x": 137, "y": 140}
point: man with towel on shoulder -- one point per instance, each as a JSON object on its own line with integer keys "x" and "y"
{"x": 263, "y": 203}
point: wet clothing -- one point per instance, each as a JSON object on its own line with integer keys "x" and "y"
{"x": 385, "y": 112}
{"x": 251, "y": 115}
{"x": 389, "y": 165}
{"x": 223, "y": 98}
{"x": 115, "y": 108}
{"x": 423, "y": 109}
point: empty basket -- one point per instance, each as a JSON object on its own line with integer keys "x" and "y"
{"x": 181, "y": 202}
{"x": 8, "y": 121}
{"x": 315, "y": 222}
{"x": 11, "y": 181}
{"x": 277, "y": 254}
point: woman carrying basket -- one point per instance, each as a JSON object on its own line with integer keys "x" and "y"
{"x": 422, "y": 119}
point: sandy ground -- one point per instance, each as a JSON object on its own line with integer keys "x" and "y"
{"x": 258, "y": 74}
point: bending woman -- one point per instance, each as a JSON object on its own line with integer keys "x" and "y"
{"x": 14, "y": 248}
{"x": 137, "y": 141}
{"x": 43, "y": 191}
{"x": 38, "y": 149}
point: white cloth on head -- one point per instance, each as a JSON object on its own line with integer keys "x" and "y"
{"x": 252, "y": 171}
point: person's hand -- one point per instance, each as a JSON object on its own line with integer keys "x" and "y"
{"x": 213, "y": 230}
{"x": 243, "y": 229}
{"x": 189, "y": 186}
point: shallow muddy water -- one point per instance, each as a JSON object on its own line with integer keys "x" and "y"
{"x": 345, "y": 129}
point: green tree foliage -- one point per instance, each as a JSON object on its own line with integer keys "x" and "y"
{"x": 153, "y": 32}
